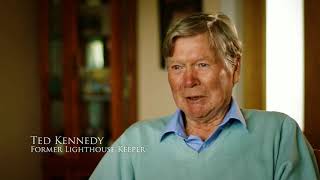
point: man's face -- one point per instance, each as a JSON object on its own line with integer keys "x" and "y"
{"x": 200, "y": 81}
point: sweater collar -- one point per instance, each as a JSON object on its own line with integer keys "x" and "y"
{"x": 176, "y": 126}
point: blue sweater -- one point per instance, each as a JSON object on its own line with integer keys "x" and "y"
{"x": 271, "y": 148}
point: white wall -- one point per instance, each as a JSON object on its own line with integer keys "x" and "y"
{"x": 154, "y": 95}
{"x": 285, "y": 58}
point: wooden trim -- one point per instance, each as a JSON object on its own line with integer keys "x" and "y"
{"x": 117, "y": 71}
{"x": 132, "y": 66}
{"x": 312, "y": 73}
{"x": 43, "y": 67}
{"x": 254, "y": 61}
{"x": 70, "y": 81}
{"x": 67, "y": 8}
{"x": 75, "y": 79}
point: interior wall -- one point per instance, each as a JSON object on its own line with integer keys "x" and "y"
{"x": 154, "y": 96}
{"x": 254, "y": 58}
{"x": 19, "y": 89}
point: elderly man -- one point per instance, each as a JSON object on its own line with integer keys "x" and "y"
{"x": 208, "y": 137}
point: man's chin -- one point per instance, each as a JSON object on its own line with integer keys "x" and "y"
{"x": 196, "y": 114}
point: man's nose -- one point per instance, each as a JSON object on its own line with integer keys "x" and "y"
{"x": 191, "y": 78}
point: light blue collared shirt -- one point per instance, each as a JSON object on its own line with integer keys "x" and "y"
{"x": 176, "y": 126}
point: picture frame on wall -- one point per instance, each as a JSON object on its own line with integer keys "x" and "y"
{"x": 170, "y": 12}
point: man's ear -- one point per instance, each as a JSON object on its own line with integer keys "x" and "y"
{"x": 236, "y": 70}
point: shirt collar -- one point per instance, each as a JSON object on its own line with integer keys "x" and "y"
{"x": 176, "y": 125}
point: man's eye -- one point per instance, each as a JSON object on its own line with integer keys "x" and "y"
{"x": 203, "y": 65}
{"x": 176, "y": 67}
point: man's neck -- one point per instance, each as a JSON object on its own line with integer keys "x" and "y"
{"x": 204, "y": 129}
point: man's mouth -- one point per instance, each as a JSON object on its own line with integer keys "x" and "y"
{"x": 194, "y": 98}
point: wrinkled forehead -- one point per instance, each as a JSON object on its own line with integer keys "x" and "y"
{"x": 207, "y": 42}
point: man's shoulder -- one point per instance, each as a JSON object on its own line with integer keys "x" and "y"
{"x": 145, "y": 131}
{"x": 255, "y": 113}
{"x": 156, "y": 124}
{"x": 268, "y": 119}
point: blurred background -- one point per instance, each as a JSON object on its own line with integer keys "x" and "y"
{"x": 93, "y": 67}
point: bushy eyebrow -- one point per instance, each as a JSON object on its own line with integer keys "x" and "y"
{"x": 171, "y": 60}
